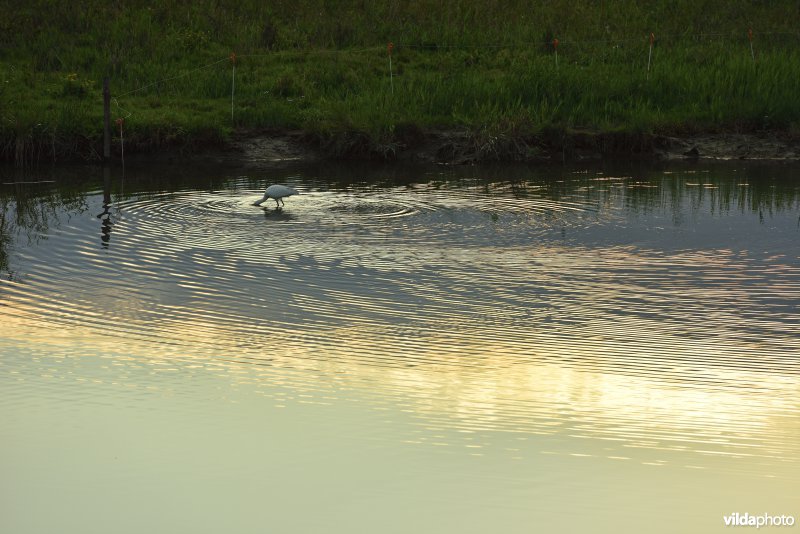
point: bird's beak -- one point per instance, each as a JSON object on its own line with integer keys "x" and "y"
{"x": 258, "y": 202}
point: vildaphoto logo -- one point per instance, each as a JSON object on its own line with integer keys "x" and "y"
{"x": 764, "y": 520}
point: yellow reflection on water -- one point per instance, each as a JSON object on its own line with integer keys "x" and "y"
{"x": 725, "y": 418}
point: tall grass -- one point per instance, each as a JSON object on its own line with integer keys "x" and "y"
{"x": 321, "y": 66}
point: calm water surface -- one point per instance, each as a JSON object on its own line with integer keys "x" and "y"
{"x": 399, "y": 350}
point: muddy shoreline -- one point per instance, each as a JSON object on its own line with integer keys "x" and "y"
{"x": 464, "y": 148}
{"x": 444, "y": 147}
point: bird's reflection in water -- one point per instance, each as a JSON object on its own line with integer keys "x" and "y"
{"x": 278, "y": 214}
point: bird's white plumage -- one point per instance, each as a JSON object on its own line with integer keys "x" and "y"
{"x": 277, "y": 192}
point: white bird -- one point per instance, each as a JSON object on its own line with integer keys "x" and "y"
{"x": 277, "y": 192}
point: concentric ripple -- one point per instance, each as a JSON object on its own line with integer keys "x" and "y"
{"x": 477, "y": 301}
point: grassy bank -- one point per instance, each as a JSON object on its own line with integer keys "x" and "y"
{"x": 322, "y": 67}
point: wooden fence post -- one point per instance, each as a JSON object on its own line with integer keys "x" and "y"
{"x": 106, "y": 121}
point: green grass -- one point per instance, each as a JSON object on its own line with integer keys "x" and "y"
{"x": 486, "y": 67}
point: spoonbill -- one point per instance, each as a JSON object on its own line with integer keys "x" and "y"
{"x": 277, "y": 192}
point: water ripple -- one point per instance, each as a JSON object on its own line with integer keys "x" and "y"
{"x": 492, "y": 306}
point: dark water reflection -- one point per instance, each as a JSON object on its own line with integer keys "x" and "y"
{"x": 642, "y": 316}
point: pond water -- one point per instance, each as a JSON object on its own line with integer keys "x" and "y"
{"x": 483, "y": 349}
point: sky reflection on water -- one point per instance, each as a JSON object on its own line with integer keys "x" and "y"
{"x": 492, "y": 348}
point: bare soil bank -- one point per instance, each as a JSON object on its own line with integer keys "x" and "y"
{"x": 451, "y": 147}
{"x": 460, "y": 148}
